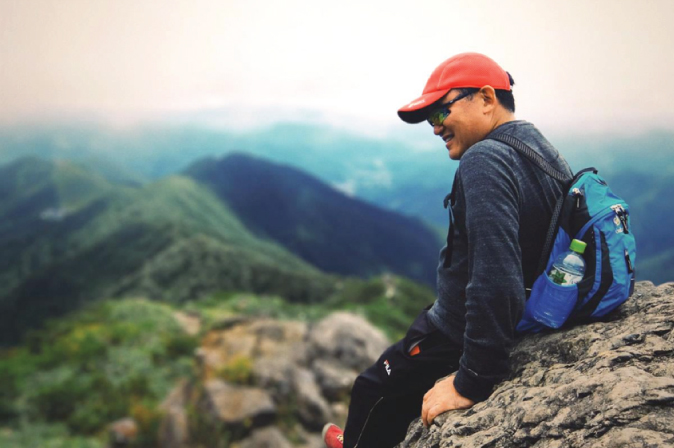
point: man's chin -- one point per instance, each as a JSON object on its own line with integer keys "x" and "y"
{"x": 453, "y": 150}
{"x": 454, "y": 155}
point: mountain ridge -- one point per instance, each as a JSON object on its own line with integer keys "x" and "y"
{"x": 325, "y": 227}
{"x": 51, "y": 266}
{"x": 175, "y": 239}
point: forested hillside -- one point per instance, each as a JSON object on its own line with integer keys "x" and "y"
{"x": 69, "y": 236}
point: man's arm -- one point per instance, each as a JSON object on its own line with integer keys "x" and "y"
{"x": 495, "y": 290}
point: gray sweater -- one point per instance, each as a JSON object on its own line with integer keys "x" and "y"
{"x": 502, "y": 205}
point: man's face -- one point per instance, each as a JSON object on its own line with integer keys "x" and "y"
{"x": 465, "y": 125}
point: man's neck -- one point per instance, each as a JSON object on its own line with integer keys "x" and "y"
{"x": 502, "y": 117}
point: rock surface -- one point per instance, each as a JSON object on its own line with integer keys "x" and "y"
{"x": 173, "y": 430}
{"x": 312, "y": 409}
{"x": 237, "y": 406}
{"x": 123, "y": 432}
{"x": 256, "y": 373}
{"x": 605, "y": 384}
{"x": 348, "y": 339}
{"x": 269, "y": 437}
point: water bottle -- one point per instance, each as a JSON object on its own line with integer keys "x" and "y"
{"x": 557, "y": 302}
{"x": 569, "y": 267}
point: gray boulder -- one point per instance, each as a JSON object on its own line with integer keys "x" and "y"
{"x": 269, "y": 437}
{"x": 173, "y": 429}
{"x": 348, "y": 339}
{"x": 312, "y": 409}
{"x": 605, "y": 384}
{"x": 275, "y": 375}
{"x": 335, "y": 381}
{"x": 237, "y": 406}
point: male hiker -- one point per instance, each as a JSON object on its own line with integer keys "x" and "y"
{"x": 500, "y": 209}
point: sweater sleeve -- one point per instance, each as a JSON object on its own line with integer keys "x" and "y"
{"x": 495, "y": 293}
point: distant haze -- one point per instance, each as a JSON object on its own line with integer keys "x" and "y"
{"x": 581, "y": 66}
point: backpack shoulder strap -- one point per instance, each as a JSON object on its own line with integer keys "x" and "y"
{"x": 538, "y": 161}
{"x": 532, "y": 155}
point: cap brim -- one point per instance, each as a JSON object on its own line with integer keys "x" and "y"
{"x": 417, "y": 110}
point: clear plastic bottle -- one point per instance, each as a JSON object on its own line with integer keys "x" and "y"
{"x": 559, "y": 298}
{"x": 569, "y": 267}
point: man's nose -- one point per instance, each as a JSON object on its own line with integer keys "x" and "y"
{"x": 437, "y": 129}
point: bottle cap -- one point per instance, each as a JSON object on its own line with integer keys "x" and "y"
{"x": 578, "y": 246}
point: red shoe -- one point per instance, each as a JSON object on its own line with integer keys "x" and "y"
{"x": 333, "y": 436}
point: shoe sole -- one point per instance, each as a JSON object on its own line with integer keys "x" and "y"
{"x": 326, "y": 427}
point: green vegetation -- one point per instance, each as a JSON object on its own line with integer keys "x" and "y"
{"x": 70, "y": 239}
{"x": 172, "y": 240}
{"x": 109, "y": 361}
{"x": 330, "y": 230}
{"x": 389, "y": 302}
{"x": 119, "y": 358}
{"x": 239, "y": 370}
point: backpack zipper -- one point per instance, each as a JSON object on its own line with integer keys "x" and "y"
{"x": 630, "y": 268}
{"x": 622, "y": 216}
{"x": 577, "y": 193}
{"x": 597, "y": 217}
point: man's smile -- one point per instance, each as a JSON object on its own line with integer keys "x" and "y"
{"x": 447, "y": 137}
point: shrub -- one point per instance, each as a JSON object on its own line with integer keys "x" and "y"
{"x": 148, "y": 418}
{"x": 239, "y": 370}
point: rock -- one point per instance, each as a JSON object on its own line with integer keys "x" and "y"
{"x": 340, "y": 412}
{"x": 335, "y": 381}
{"x": 269, "y": 437}
{"x": 347, "y": 339}
{"x": 173, "y": 429}
{"x": 605, "y": 384}
{"x": 312, "y": 409}
{"x": 237, "y": 406}
{"x": 123, "y": 432}
{"x": 263, "y": 342}
{"x": 308, "y": 439}
{"x": 303, "y": 375}
{"x": 190, "y": 323}
{"x": 275, "y": 375}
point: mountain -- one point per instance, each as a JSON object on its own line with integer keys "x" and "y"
{"x": 323, "y": 226}
{"x": 68, "y": 237}
{"x": 407, "y": 171}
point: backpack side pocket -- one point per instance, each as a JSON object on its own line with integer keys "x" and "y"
{"x": 549, "y": 305}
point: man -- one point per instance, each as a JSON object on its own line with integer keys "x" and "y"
{"x": 501, "y": 206}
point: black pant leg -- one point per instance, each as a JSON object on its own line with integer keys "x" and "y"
{"x": 388, "y": 395}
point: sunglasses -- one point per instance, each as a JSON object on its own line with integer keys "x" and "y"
{"x": 440, "y": 114}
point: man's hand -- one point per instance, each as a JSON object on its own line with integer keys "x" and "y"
{"x": 441, "y": 398}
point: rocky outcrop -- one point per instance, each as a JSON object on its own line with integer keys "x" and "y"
{"x": 123, "y": 432}
{"x": 605, "y": 384}
{"x": 269, "y": 437}
{"x": 255, "y": 374}
{"x": 347, "y": 339}
{"x": 237, "y": 406}
{"x": 173, "y": 432}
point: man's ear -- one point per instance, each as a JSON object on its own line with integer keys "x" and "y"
{"x": 487, "y": 95}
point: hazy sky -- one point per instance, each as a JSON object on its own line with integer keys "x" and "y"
{"x": 603, "y": 65}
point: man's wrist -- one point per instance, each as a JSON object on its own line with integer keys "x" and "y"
{"x": 469, "y": 384}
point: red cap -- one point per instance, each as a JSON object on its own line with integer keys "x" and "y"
{"x": 462, "y": 70}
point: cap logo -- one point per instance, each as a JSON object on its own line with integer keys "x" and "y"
{"x": 416, "y": 103}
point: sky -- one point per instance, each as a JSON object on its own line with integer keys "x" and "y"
{"x": 579, "y": 65}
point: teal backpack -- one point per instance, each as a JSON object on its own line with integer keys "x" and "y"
{"x": 588, "y": 211}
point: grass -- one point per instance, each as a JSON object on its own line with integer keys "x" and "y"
{"x": 111, "y": 360}
{"x": 118, "y": 358}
